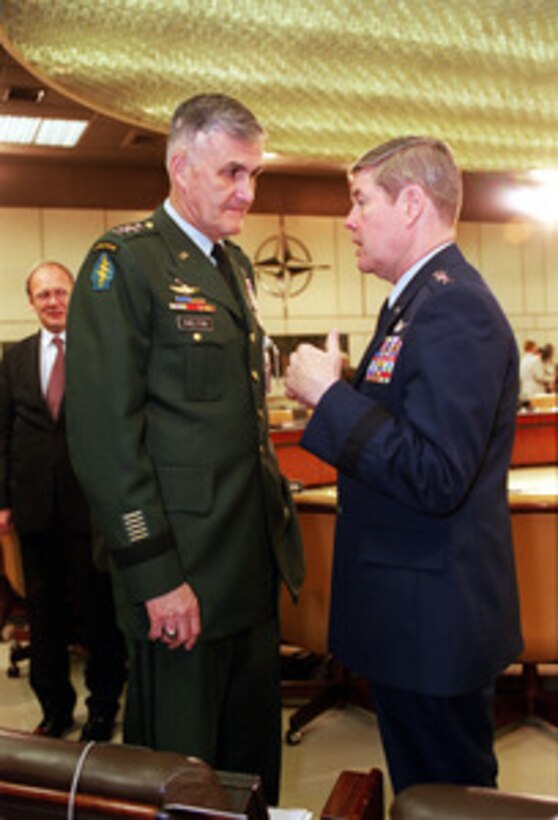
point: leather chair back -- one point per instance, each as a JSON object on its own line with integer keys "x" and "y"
{"x": 37, "y": 776}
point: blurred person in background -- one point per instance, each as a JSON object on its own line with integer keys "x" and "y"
{"x": 549, "y": 367}
{"x": 41, "y": 498}
{"x": 531, "y": 373}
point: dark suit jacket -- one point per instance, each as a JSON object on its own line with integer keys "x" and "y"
{"x": 36, "y": 477}
{"x": 424, "y": 592}
{"x": 168, "y": 433}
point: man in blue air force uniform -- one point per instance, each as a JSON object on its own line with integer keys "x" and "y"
{"x": 169, "y": 435}
{"x": 424, "y": 599}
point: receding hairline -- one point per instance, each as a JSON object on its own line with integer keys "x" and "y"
{"x": 47, "y": 264}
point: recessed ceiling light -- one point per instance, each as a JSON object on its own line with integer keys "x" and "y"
{"x": 41, "y": 131}
{"x": 64, "y": 133}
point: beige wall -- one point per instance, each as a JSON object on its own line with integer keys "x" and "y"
{"x": 520, "y": 264}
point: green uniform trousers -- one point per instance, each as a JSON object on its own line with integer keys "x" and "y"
{"x": 220, "y": 702}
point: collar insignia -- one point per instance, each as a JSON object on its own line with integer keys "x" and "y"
{"x": 441, "y": 276}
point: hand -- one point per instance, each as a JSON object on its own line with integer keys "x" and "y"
{"x": 175, "y": 617}
{"x": 6, "y": 523}
{"x": 312, "y": 371}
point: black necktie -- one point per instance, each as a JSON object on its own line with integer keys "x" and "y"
{"x": 384, "y": 318}
{"x": 224, "y": 267}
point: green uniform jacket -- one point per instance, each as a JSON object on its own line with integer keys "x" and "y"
{"x": 168, "y": 430}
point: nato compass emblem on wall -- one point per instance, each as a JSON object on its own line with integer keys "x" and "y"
{"x": 284, "y": 266}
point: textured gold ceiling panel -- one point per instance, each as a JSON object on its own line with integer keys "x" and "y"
{"x": 328, "y": 78}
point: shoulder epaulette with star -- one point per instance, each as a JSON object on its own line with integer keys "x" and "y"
{"x": 121, "y": 233}
{"x": 133, "y": 229}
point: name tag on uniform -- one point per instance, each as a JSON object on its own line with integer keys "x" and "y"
{"x": 383, "y": 361}
{"x": 194, "y": 323}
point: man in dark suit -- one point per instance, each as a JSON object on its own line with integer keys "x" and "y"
{"x": 40, "y": 497}
{"x": 169, "y": 437}
{"x": 424, "y": 599}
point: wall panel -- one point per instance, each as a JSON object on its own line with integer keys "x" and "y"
{"x": 319, "y": 298}
{"x": 21, "y": 246}
{"x": 68, "y": 234}
{"x": 551, "y": 271}
{"x": 257, "y": 228}
{"x": 350, "y": 282}
{"x": 534, "y": 272}
{"x": 502, "y": 265}
{"x": 469, "y": 238}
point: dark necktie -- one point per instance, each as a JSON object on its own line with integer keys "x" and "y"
{"x": 55, "y": 389}
{"x": 386, "y": 314}
{"x": 224, "y": 267}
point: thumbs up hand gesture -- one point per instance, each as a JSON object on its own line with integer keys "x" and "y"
{"x": 312, "y": 371}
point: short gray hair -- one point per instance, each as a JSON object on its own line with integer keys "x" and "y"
{"x": 207, "y": 112}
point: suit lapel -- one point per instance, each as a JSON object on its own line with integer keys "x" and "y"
{"x": 245, "y": 288}
{"x": 34, "y": 370}
{"x": 388, "y": 317}
{"x": 384, "y": 320}
{"x": 29, "y": 362}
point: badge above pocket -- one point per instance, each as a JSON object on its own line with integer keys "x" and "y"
{"x": 380, "y": 369}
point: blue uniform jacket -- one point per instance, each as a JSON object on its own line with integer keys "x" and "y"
{"x": 424, "y": 594}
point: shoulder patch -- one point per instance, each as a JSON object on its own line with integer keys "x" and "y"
{"x": 105, "y": 246}
{"x": 103, "y": 273}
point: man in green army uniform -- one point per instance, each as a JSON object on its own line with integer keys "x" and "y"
{"x": 168, "y": 434}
